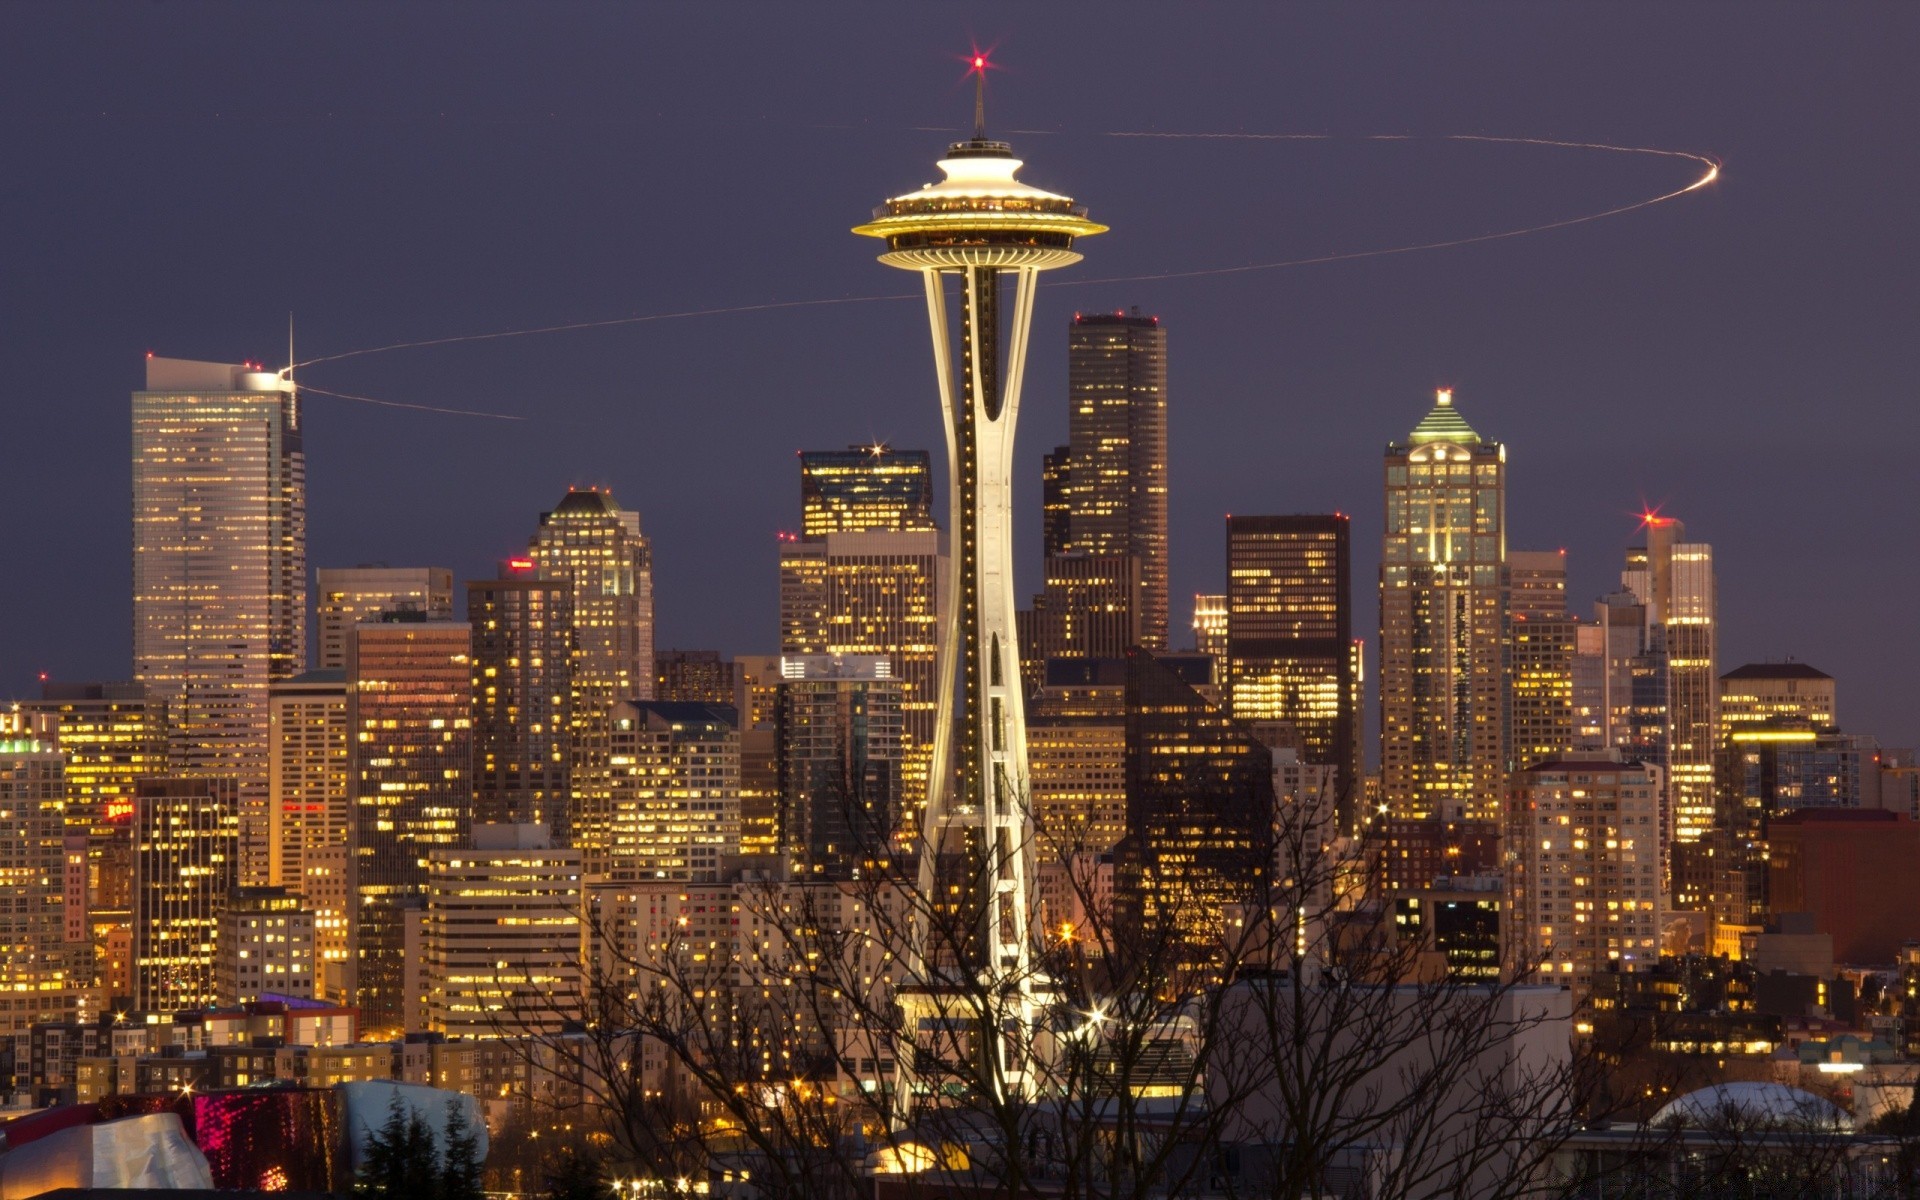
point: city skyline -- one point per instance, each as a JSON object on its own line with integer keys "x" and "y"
{"x": 1653, "y": 384}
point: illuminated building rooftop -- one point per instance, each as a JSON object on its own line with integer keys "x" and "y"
{"x": 1444, "y": 424}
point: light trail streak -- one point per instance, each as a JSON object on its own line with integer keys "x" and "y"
{"x": 1712, "y": 173}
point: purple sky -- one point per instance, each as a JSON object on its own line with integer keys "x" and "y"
{"x": 178, "y": 177}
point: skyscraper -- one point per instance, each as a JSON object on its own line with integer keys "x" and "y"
{"x": 1114, "y": 486}
{"x": 589, "y": 542}
{"x": 865, "y": 488}
{"x": 983, "y": 227}
{"x": 1056, "y": 501}
{"x": 187, "y": 846}
{"x": 675, "y": 791}
{"x": 219, "y": 566}
{"x": 1090, "y": 608}
{"x": 1541, "y": 643}
{"x": 1200, "y": 815}
{"x": 524, "y": 661}
{"x": 1290, "y": 637}
{"x": 876, "y": 593}
{"x": 1441, "y": 625}
{"x": 264, "y": 946}
{"x": 312, "y": 812}
{"x": 695, "y": 676}
{"x": 43, "y": 971}
{"x": 409, "y": 709}
{"x": 503, "y": 945}
{"x": 1210, "y": 628}
{"x": 1077, "y": 756}
{"x": 838, "y": 725}
{"x": 345, "y": 596}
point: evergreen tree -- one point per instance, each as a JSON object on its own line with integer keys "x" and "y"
{"x": 382, "y": 1164}
{"x": 572, "y": 1175}
{"x": 460, "y": 1166}
{"x": 420, "y": 1170}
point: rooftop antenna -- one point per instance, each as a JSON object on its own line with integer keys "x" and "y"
{"x": 979, "y": 97}
{"x": 289, "y": 371}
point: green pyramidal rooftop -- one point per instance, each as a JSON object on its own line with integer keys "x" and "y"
{"x": 1444, "y": 424}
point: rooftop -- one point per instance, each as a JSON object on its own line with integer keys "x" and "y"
{"x": 1779, "y": 670}
{"x": 1444, "y": 424}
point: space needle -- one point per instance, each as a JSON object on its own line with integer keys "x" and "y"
{"x": 993, "y": 235}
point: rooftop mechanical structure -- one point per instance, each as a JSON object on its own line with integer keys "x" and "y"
{"x": 971, "y": 982}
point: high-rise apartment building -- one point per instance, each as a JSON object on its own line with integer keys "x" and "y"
{"x": 693, "y": 677}
{"x": 44, "y": 970}
{"x": 265, "y": 946}
{"x": 110, "y": 735}
{"x": 1542, "y": 639}
{"x": 524, "y": 660}
{"x": 1290, "y": 637}
{"x": 310, "y": 760}
{"x": 410, "y": 713}
{"x": 1762, "y": 691}
{"x": 1587, "y": 884}
{"x": 865, "y": 489}
{"x": 589, "y": 542}
{"x": 345, "y": 596}
{"x": 186, "y": 860}
{"x": 838, "y": 724}
{"x": 1115, "y": 478}
{"x": 1200, "y": 814}
{"x": 502, "y": 947}
{"x": 875, "y": 593}
{"x": 675, "y": 790}
{"x": 219, "y": 566}
{"x": 1442, "y": 628}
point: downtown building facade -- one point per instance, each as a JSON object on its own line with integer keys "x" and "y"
{"x": 838, "y": 724}
{"x": 186, "y": 867}
{"x": 346, "y": 596}
{"x": 311, "y": 759}
{"x": 410, "y": 714}
{"x": 674, "y": 790}
{"x": 45, "y": 969}
{"x": 1291, "y": 659}
{"x": 219, "y": 567}
{"x": 864, "y": 489}
{"x": 525, "y": 658}
{"x": 1442, "y": 623}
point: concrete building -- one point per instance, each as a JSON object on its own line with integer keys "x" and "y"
{"x": 503, "y": 948}
{"x": 45, "y": 966}
{"x": 838, "y": 728}
{"x": 265, "y": 947}
{"x": 186, "y": 866}
{"x": 1585, "y": 881}
{"x": 1762, "y": 691}
{"x": 346, "y": 596}
{"x": 1442, "y": 622}
{"x": 312, "y": 812}
{"x": 675, "y": 790}
{"x": 219, "y": 567}
{"x": 1853, "y": 870}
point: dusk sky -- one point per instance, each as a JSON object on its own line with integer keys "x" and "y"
{"x": 179, "y": 177}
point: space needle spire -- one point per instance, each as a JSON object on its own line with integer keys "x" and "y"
{"x": 983, "y": 236}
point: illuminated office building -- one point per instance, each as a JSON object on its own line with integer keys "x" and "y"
{"x": 1762, "y": 691}
{"x": 675, "y": 790}
{"x": 1090, "y": 608}
{"x": 875, "y": 593}
{"x": 44, "y": 970}
{"x": 589, "y": 542}
{"x": 1674, "y": 579}
{"x": 1056, "y": 502}
{"x": 693, "y": 677}
{"x": 1114, "y": 486}
{"x": 1077, "y": 757}
{"x": 1587, "y": 887}
{"x": 756, "y": 690}
{"x": 1442, "y": 628}
{"x": 110, "y": 735}
{"x": 1290, "y": 637}
{"x": 186, "y": 866}
{"x": 1200, "y": 814}
{"x": 311, "y": 757}
{"x": 524, "y": 659}
{"x": 1542, "y": 641}
{"x": 345, "y": 596}
{"x": 409, "y": 712}
{"x": 502, "y": 947}
{"x": 1210, "y": 627}
{"x": 865, "y": 489}
{"x": 838, "y": 724}
{"x": 219, "y": 566}
{"x": 265, "y": 947}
